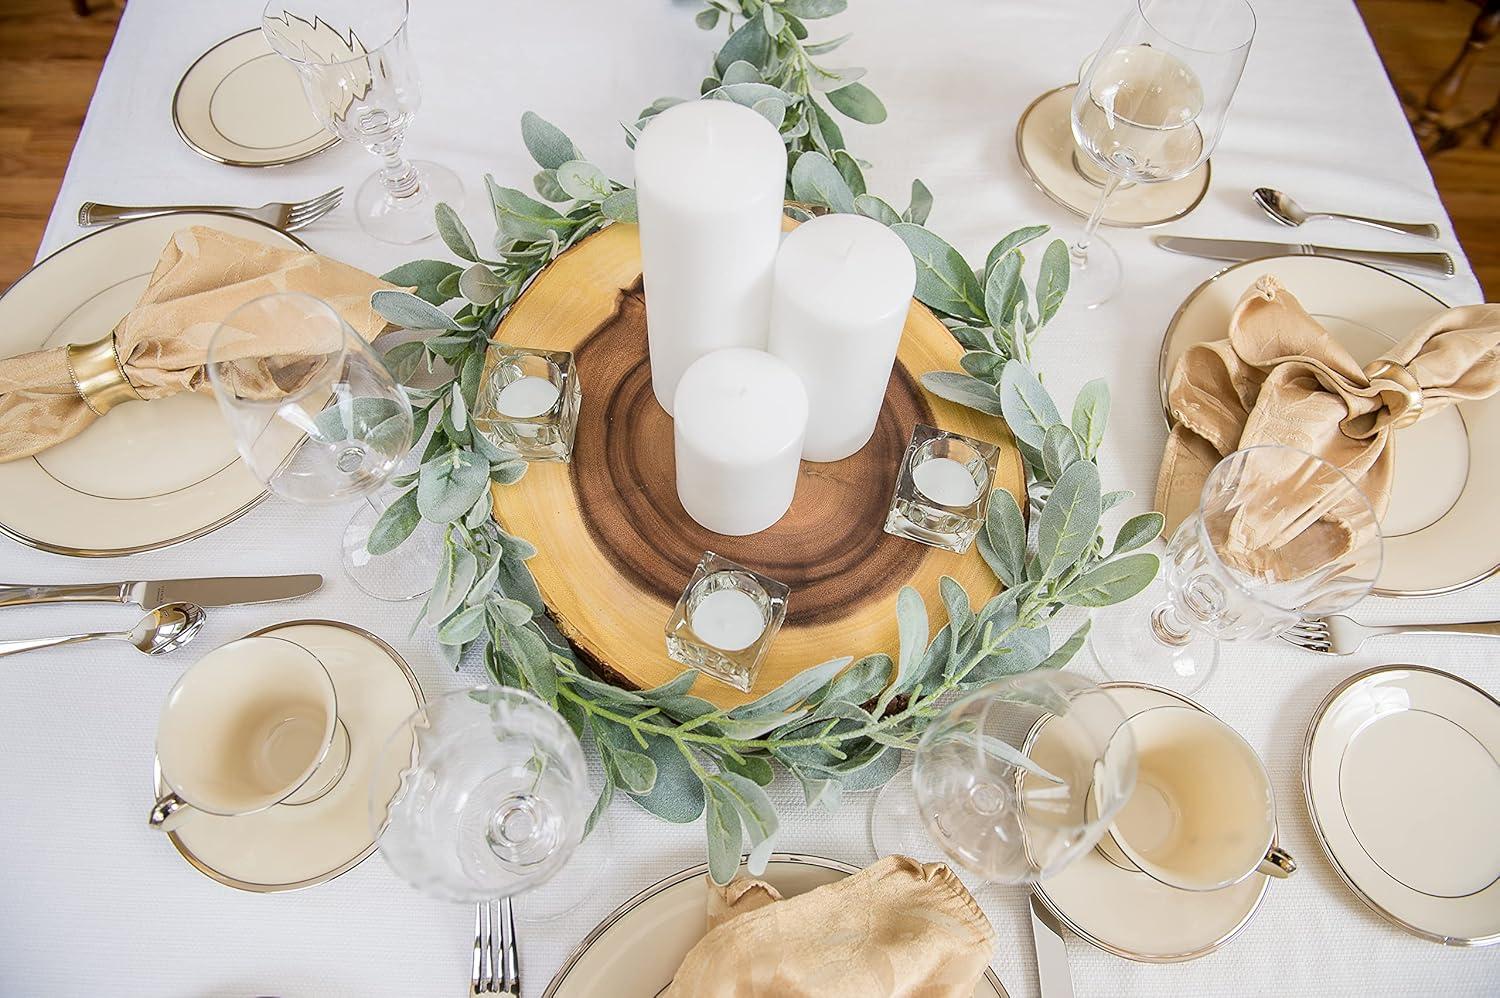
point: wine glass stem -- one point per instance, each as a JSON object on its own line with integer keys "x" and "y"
{"x": 396, "y": 171}
{"x": 1168, "y": 627}
{"x": 1078, "y": 253}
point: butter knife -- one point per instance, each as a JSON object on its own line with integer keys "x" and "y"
{"x": 1433, "y": 264}
{"x": 222, "y": 591}
{"x": 1051, "y": 953}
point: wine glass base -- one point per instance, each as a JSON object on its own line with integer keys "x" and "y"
{"x": 1125, "y": 648}
{"x": 576, "y": 885}
{"x": 409, "y": 219}
{"x": 1096, "y": 282}
{"x": 404, "y": 574}
{"x": 896, "y": 829}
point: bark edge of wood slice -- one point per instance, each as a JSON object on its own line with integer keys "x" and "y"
{"x": 615, "y": 547}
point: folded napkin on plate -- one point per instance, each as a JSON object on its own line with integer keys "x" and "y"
{"x": 1280, "y": 378}
{"x": 897, "y": 929}
{"x": 201, "y": 276}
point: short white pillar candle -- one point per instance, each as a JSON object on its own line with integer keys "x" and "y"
{"x": 945, "y": 481}
{"x": 843, "y": 288}
{"x": 710, "y": 179}
{"x": 740, "y": 417}
{"x": 526, "y": 397}
{"x": 728, "y": 619}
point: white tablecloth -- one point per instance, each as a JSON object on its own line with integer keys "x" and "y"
{"x": 92, "y": 902}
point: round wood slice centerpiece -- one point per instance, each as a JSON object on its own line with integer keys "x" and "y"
{"x": 615, "y": 547}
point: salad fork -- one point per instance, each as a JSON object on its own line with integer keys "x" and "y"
{"x": 1341, "y": 635}
{"x": 496, "y": 969}
{"x": 287, "y": 216}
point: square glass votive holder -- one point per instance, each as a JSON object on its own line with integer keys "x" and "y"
{"x": 942, "y": 489}
{"x": 529, "y": 402}
{"x": 725, "y": 621}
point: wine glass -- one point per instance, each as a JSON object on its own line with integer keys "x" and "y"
{"x": 357, "y": 70}
{"x": 1013, "y": 782}
{"x": 1279, "y": 535}
{"x": 321, "y": 423}
{"x": 1149, "y": 107}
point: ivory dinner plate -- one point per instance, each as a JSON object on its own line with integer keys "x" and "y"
{"x": 635, "y": 951}
{"x": 1439, "y": 529}
{"x": 1060, "y": 170}
{"x": 1403, "y": 784}
{"x": 241, "y": 104}
{"x": 146, "y": 474}
{"x": 1126, "y": 912}
{"x": 290, "y": 846}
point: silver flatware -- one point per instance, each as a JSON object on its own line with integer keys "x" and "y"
{"x": 1341, "y": 635}
{"x": 1052, "y": 972}
{"x": 225, "y": 590}
{"x": 164, "y": 629}
{"x": 496, "y": 969}
{"x": 1434, "y": 264}
{"x": 289, "y": 216}
{"x": 1283, "y": 209}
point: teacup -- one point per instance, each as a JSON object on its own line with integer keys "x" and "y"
{"x": 1202, "y": 815}
{"x": 250, "y": 725}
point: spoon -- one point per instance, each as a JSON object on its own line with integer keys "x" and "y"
{"x": 164, "y": 629}
{"x": 1288, "y": 212}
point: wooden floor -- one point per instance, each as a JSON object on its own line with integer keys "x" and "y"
{"x": 50, "y": 59}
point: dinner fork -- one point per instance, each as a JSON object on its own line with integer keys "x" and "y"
{"x": 1341, "y": 635}
{"x": 285, "y": 215}
{"x": 496, "y": 968}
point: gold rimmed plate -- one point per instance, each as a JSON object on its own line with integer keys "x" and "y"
{"x": 1129, "y": 914}
{"x": 1056, "y": 166}
{"x": 288, "y": 847}
{"x": 638, "y": 948}
{"x": 242, "y": 105}
{"x": 1439, "y": 527}
{"x": 146, "y": 475}
{"x": 1403, "y": 785}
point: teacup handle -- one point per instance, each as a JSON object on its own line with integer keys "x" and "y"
{"x": 167, "y": 814}
{"x": 1278, "y": 863}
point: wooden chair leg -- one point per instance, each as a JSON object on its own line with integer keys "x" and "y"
{"x": 1430, "y": 124}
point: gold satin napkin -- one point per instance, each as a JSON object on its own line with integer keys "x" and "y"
{"x": 1279, "y": 378}
{"x": 160, "y": 347}
{"x": 896, "y": 929}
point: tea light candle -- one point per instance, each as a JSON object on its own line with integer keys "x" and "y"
{"x": 740, "y": 418}
{"x": 728, "y": 619}
{"x": 527, "y": 397}
{"x": 710, "y": 176}
{"x": 843, "y": 288}
{"x": 945, "y": 481}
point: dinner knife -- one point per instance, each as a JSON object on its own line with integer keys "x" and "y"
{"x": 1435, "y": 264}
{"x": 221, "y": 591}
{"x": 1051, "y": 953}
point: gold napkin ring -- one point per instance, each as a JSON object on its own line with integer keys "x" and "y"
{"x": 1390, "y": 370}
{"x": 99, "y": 376}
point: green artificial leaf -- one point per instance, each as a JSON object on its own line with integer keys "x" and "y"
{"x": 758, "y": 815}
{"x": 424, "y": 277}
{"x": 858, "y": 102}
{"x": 793, "y": 691}
{"x": 450, "y": 483}
{"x": 462, "y": 627}
{"x": 944, "y": 280}
{"x": 1138, "y": 531}
{"x": 1027, "y": 407}
{"x": 827, "y": 129}
{"x": 1112, "y": 582}
{"x": 1060, "y": 450}
{"x": 850, "y": 171}
{"x": 772, "y": 109}
{"x": 1005, "y": 534}
{"x": 759, "y": 724}
{"x": 522, "y": 217}
{"x": 982, "y": 364}
{"x": 405, "y": 360}
{"x": 823, "y": 48}
{"x": 707, "y": 18}
{"x": 636, "y": 771}
{"x": 875, "y": 771}
{"x": 1003, "y": 751}
{"x": 826, "y": 79}
{"x": 620, "y": 206}
{"x": 749, "y": 43}
{"x": 1069, "y": 521}
{"x": 395, "y": 524}
{"x": 820, "y": 791}
{"x": 964, "y": 390}
{"x": 583, "y": 180}
{"x": 751, "y": 767}
{"x": 601, "y": 804}
{"x": 405, "y": 309}
{"x": 921, "y": 204}
{"x": 741, "y": 72}
{"x": 911, "y": 622}
{"x": 813, "y": 9}
{"x": 871, "y": 206}
{"x": 1065, "y": 651}
{"x": 956, "y": 599}
{"x": 516, "y": 583}
{"x": 451, "y": 228}
{"x": 1052, "y": 280}
{"x": 1010, "y": 241}
{"x": 672, "y": 688}
{"x": 724, "y": 834}
{"x": 481, "y": 285}
{"x": 545, "y": 182}
{"x": 546, "y": 142}
{"x": 772, "y": 19}
{"x": 454, "y": 579}
{"x": 861, "y": 682}
{"x": 678, "y": 795}
{"x": 816, "y": 180}
{"x": 1004, "y": 290}
{"x": 1091, "y": 415}
{"x": 1113, "y": 499}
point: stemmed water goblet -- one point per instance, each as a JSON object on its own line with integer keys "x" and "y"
{"x": 357, "y": 70}
{"x": 323, "y": 423}
{"x": 1279, "y": 535}
{"x": 1150, "y": 107}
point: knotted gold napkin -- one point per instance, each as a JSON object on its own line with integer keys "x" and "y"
{"x": 897, "y": 929}
{"x": 1279, "y": 378}
{"x": 160, "y": 347}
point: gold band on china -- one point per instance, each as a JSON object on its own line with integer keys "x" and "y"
{"x": 1389, "y": 370}
{"x": 99, "y": 376}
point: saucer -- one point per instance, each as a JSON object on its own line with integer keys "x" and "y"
{"x": 1047, "y": 150}
{"x": 1403, "y": 786}
{"x": 286, "y": 847}
{"x": 241, "y": 104}
{"x": 1129, "y": 914}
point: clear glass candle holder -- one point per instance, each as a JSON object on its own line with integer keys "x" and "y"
{"x": 942, "y": 489}
{"x": 529, "y": 402}
{"x": 725, "y": 621}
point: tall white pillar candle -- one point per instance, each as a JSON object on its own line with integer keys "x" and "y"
{"x": 740, "y": 416}
{"x": 710, "y": 177}
{"x": 843, "y": 287}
